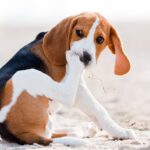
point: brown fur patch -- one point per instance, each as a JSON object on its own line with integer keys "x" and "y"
{"x": 5, "y": 98}
{"x": 29, "y": 114}
{"x": 54, "y": 71}
{"x": 6, "y": 94}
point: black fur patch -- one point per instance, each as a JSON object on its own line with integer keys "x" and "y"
{"x": 23, "y": 59}
{"x": 40, "y": 36}
{"x": 7, "y": 135}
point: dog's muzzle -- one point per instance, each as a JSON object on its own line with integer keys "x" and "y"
{"x": 86, "y": 58}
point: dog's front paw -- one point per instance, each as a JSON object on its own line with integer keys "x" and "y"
{"x": 125, "y": 134}
{"x": 130, "y": 134}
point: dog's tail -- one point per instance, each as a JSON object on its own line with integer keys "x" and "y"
{"x": 70, "y": 141}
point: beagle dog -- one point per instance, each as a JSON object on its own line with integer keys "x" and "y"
{"x": 51, "y": 69}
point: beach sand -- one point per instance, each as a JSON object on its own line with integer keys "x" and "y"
{"x": 126, "y": 98}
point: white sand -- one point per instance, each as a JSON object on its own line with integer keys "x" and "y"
{"x": 127, "y": 98}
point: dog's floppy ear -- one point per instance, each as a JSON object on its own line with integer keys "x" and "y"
{"x": 57, "y": 41}
{"x": 122, "y": 64}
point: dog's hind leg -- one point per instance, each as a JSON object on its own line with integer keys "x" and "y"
{"x": 30, "y": 138}
{"x": 58, "y": 135}
{"x": 69, "y": 137}
{"x": 84, "y": 130}
{"x": 70, "y": 141}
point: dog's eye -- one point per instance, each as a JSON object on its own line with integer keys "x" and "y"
{"x": 79, "y": 33}
{"x": 99, "y": 40}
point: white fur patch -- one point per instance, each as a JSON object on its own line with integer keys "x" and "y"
{"x": 49, "y": 129}
{"x": 87, "y": 44}
{"x": 70, "y": 141}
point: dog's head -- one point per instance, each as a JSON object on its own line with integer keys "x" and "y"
{"x": 86, "y": 34}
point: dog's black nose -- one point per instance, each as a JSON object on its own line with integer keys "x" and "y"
{"x": 86, "y": 58}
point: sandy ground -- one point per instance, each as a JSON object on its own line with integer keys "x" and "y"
{"x": 126, "y": 98}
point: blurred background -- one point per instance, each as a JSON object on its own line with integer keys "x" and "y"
{"x": 127, "y": 98}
